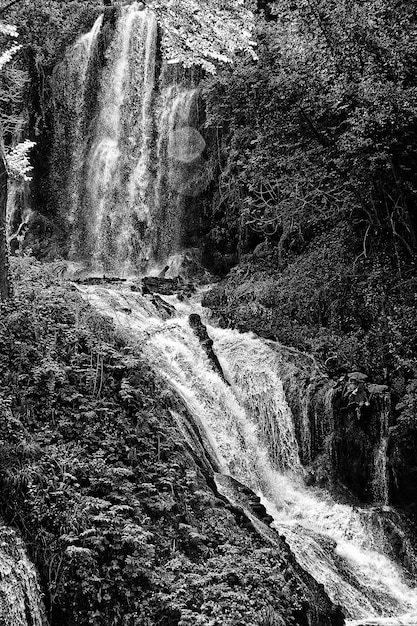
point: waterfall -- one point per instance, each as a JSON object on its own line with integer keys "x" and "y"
{"x": 380, "y": 486}
{"x": 177, "y": 153}
{"x": 119, "y": 171}
{"x": 71, "y": 95}
{"x": 245, "y": 430}
{"x": 20, "y": 599}
{"x": 79, "y": 62}
{"x": 128, "y": 184}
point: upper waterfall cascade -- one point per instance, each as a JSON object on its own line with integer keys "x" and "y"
{"x": 136, "y": 158}
{"x": 248, "y": 432}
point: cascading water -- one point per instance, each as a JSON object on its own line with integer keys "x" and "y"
{"x": 20, "y": 598}
{"x": 118, "y": 176}
{"x": 380, "y": 482}
{"x": 79, "y": 62}
{"x": 135, "y": 160}
{"x": 71, "y": 85}
{"x": 247, "y": 431}
{"x": 178, "y": 150}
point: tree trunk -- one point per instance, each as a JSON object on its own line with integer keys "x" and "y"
{"x": 5, "y": 285}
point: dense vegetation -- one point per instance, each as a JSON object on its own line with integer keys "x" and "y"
{"x": 316, "y": 156}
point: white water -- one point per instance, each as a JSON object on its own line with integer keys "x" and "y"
{"x": 248, "y": 430}
{"x": 71, "y": 79}
{"x": 380, "y": 483}
{"x": 118, "y": 163}
{"x": 175, "y": 114}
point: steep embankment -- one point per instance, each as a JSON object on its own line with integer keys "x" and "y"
{"x": 121, "y": 516}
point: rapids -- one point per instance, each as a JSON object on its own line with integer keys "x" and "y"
{"x": 248, "y": 432}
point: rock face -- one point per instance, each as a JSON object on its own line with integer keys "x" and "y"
{"x": 251, "y": 514}
{"x": 362, "y": 416}
{"x": 244, "y": 497}
{"x": 403, "y": 451}
{"x": 403, "y": 469}
{"x": 342, "y": 427}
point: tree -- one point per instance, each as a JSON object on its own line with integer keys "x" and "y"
{"x": 5, "y": 284}
{"x": 13, "y": 162}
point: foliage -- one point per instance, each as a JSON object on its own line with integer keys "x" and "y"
{"x": 8, "y": 30}
{"x": 315, "y": 152}
{"x": 13, "y": 81}
{"x": 322, "y": 127}
{"x": 94, "y": 472}
{"x": 18, "y": 161}
{"x": 204, "y": 34}
{"x": 47, "y": 27}
{"x": 194, "y": 34}
{"x": 349, "y": 313}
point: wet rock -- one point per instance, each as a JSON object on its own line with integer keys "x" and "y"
{"x": 165, "y": 310}
{"x": 156, "y": 284}
{"x": 245, "y": 498}
{"x": 163, "y": 272}
{"x": 207, "y": 343}
{"x": 166, "y": 286}
{"x": 192, "y": 269}
{"x": 362, "y": 417}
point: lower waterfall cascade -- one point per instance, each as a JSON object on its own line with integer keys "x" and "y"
{"x": 248, "y": 432}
